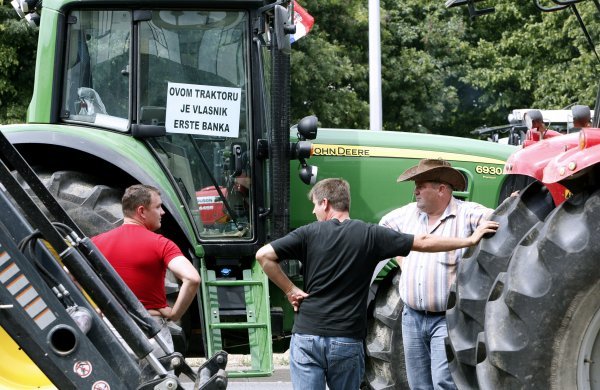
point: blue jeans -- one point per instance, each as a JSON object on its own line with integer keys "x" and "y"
{"x": 315, "y": 360}
{"x": 424, "y": 351}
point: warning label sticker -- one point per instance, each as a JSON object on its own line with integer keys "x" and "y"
{"x": 83, "y": 368}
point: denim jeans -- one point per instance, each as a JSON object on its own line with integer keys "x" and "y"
{"x": 424, "y": 351}
{"x": 316, "y": 360}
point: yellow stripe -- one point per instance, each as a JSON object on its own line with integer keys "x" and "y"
{"x": 377, "y": 151}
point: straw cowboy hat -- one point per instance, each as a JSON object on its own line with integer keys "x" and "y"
{"x": 437, "y": 171}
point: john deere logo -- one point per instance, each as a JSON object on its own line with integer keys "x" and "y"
{"x": 333, "y": 150}
{"x": 379, "y": 151}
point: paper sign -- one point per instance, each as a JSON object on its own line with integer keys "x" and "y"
{"x": 203, "y": 109}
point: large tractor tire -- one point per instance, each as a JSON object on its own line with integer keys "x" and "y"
{"x": 477, "y": 272}
{"x": 542, "y": 319}
{"x": 385, "y": 365}
{"x": 514, "y": 183}
{"x": 93, "y": 207}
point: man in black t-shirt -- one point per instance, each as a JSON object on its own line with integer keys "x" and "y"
{"x": 339, "y": 256}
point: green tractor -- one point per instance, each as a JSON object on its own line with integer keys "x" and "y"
{"x": 192, "y": 97}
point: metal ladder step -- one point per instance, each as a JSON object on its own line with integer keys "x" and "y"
{"x": 258, "y": 324}
{"x": 237, "y": 325}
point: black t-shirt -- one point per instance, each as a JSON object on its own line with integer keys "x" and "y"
{"x": 338, "y": 262}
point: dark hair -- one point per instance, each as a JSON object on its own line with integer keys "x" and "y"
{"x": 135, "y": 196}
{"x": 336, "y": 191}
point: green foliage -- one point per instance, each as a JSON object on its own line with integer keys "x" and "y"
{"x": 442, "y": 72}
{"x": 17, "y": 65}
{"x": 420, "y": 48}
{"x": 330, "y": 66}
{"x": 537, "y": 59}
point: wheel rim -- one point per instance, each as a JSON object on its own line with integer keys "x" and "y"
{"x": 588, "y": 371}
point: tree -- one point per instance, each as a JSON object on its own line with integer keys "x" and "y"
{"x": 523, "y": 58}
{"x": 420, "y": 47}
{"x": 330, "y": 65}
{"x": 442, "y": 72}
{"x": 17, "y": 65}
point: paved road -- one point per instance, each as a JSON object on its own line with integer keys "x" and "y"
{"x": 280, "y": 380}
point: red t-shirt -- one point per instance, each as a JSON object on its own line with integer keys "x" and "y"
{"x": 141, "y": 258}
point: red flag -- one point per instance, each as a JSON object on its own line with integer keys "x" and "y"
{"x": 303, "y": 22}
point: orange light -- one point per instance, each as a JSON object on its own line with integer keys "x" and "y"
{"x": 582, "y": 140}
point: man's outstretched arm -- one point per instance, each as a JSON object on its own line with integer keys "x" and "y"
{"x": 431, "y": 243}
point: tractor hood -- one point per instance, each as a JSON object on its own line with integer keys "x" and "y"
{"x": 567, "y": 165}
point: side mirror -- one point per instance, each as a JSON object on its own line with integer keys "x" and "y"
{"x": 282, "y": 29}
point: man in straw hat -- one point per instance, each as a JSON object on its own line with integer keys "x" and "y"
{"x": 426, "y": 277}
{"x": 338, "y": 255}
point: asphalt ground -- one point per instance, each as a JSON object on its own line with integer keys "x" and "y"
{"x": 280, "y": 379}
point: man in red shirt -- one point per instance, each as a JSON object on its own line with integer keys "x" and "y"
{"x": 142, "y": 257}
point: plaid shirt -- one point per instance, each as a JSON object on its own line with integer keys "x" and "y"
{"x": 426, "y": 277}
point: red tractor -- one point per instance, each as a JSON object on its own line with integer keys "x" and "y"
{"x": 217, "y": 206}
{"x": 525, "y": 309}
{"x": 210, "y": 204}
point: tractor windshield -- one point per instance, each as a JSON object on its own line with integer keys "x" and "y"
{"x": 185, "y": 71}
